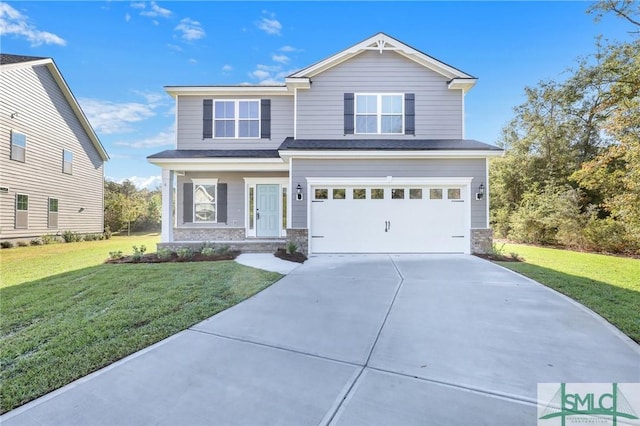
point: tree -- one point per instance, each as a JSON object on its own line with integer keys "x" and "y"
{"x": 128, "y": 208}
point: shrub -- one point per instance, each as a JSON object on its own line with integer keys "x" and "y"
{"x": 107, "y": 233}
{"x": 606, "y": 234}
{"x": 184, "y": 253}
{"x": 36, "y": 242}
{"x": 93, "y": 237}
{"x": 222, "y": 250}
{"x": 71, "y": 237}
{"x": 115, "y": 254}
{"x": 49, "y": 239}
{"x": 291, "y": 247}
{"x": 23, "y": 244}
{"x": 164, "y": 253}
{"x": 6, "y": 244}
{"x": 138, "y": 253}
{"x": 207, "y": 251}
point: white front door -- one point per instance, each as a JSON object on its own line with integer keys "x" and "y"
{"x": 267, "y": 211}
{"x": 389, "y": 219}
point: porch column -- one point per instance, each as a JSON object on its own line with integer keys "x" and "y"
{"x": 168, "y": 220}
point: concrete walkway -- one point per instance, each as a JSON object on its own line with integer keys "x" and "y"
{"x": 348, "y": 340}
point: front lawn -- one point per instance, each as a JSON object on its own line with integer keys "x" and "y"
{"x": 608, "y": 285}
{"x": 61, "y": 327}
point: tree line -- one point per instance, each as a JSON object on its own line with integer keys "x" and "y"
{"x": 129, "y": 209}
{"x": 571, "y": 170}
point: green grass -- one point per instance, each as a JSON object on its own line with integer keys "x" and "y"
{"x": 24, "y": 264}
{"x": 608, "y": 285}
{"x": 59, "y": 328}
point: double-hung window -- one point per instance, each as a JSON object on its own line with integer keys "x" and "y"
{"x": 22, "y": 211}
{"x": 204, "y": 201}
{"x": 379, "y": 113}
{"x": 67, "y": 162}
{"x": 236, "y": 119}
{"x": 18, "y": 146}
{"x": 53, "y": 213}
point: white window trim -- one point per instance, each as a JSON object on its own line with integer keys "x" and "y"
{"x": 64, "y": 162}
{"x": 378, "y": 114}
{"x": 14, "y": 146}
{"x": 197, "y": 182}
{"x": 237, "y": 119}
{"x": 16, "y": 211}
{"x": 56, "y": 212}
{"x": 250, "y": 182}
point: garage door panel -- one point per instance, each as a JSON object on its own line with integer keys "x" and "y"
{"x": 390, "y": 225}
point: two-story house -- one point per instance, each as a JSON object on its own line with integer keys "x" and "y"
{"x": 51, "y": 161}
{"x": 363, "y": 151}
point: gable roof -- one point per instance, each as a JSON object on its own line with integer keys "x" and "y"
{"x": 14, "y": 61}
{"x": 383, "y": 42}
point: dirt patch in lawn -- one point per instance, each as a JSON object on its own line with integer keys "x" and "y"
{"x": 291, "y": 257}
{"x": 195, "y": 257}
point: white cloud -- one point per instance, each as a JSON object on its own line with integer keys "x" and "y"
{"x": 166, "y": 137}
{"x": 12, "y": 22}
{"x": 283, "y": 59}
{"x": 154, "y": 99}
{"x": 227, "y": 68}
{"x": 270, "y": 74}
{"x": 155, "y": 11}
{"x": 127, "y": 17}
{"x": 138, "y": 5}
{"x": 288, "y": 48}
{"x": 269, "y": 24}
{"x": 190, "y": 29}
{"x": 141, "y": 182}
{"x": 174, "y": 47}
{"x": 114, "y": 117}
{"x": 193, "y": 61}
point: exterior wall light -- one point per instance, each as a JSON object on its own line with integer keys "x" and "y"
{"x": 299, "y": 192}
{"x": 480, "y": 193}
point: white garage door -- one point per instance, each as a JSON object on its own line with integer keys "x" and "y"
{"x": 389, "y": 219}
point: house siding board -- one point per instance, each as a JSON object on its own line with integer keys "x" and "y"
{"x": 475, "y": 168}
{"x": 321, "y": 108}
{"x": 235, "y": 195}
{"x": 189, "y": 124}
{"x": 50, "y": 125}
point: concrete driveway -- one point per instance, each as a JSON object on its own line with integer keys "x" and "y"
{"x": 348, "y": 340}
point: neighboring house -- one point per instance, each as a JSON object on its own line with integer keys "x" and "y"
{"x": 51, "y": 161}
{"x": 361, "y": 152}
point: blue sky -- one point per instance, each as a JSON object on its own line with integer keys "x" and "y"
{"x": 117, "y": 56}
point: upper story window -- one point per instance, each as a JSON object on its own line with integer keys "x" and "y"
{"x": 18, "y": 146}
{"x": 236, "y": 119}
{"x": 67, "y": 162}
{"x": 379, "y": 113}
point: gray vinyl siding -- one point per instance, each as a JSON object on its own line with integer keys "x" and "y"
{"x": 438, "y": 110}
{"x": 189, "y": 124}
{"x": 235, "y": 195}
{"x": 50, "y": 125}
{"x": 475, "y": 168}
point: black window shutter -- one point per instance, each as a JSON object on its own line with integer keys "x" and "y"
{"x": 409, "y": 114}
{"x": 207, "y": 119}
{"x": 187, "y": 202}
{"x": 348, "y": 113}
{"x": 222, "y": 203}
{"x": 265, "y": 118}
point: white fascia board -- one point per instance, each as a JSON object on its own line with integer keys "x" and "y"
{"x": 286, "y": 154}
{"x": 175, "y": 91}
{"x": 389, "y": 180}
{"x": 465, "y": 84}
{"x": 44, "y": 61}
{"x": 297, "y": 83}
{"x": 221, "y": 164}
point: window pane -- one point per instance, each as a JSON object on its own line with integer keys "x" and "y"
{"x": 360, "y": 194}
{"x": 397, "y": 194}
{"x": 392, "y": 104}
{"x": 453, "y": 193}
{"x": 391, "y": 124}
{"x": 53, "y": 205}
{"x": 339, "y": 194}
{"x": 366, "y": 104}
{"x": 366, "y": 124}
{"x": 435, "y": 194}
{"x": 248, "y": 109}
{"x": 251, "y": 207}
{"x": 204, "y": 193}
{"x": 224, "y": 109}
{"x": 284, "y": 208}
{"x": 377, "y": 193}
{"x": 415, "y": 194}
{"x": 321, "y": 194}
{"x": 22, "y": 202}
{"x": 225, "y": 128}
{"x": 205, "y": 212}
{"x": 19, "y": 139}
{"x": 68, "y": 156}
{"x": 248, "y": 129}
